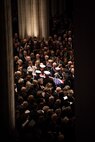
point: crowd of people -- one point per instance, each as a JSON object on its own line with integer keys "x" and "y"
{"x": 44, "y": 88}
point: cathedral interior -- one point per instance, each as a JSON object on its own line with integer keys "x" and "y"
{"x": 42, "y": 42}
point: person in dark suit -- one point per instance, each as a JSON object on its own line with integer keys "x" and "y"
{"x": 48, "y": 79}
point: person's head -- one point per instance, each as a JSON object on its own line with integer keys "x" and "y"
{"x": 50, "y": 61}
{"x": 21, "y": 81}
{"x": 66, "y": 88}
{"x": 25, "y": 105}
{"x": 45, "y": 53}
{"x": 41, "y": 105}
{"x": 20, "y": 68}
{"x": 65, "y": 120}
{"x": 39, "y": 112}
{"x": 65, "y": 60}
{"x": 72, "y": 71}
{"x": 49, "y": 85}
{"x": 45, "y": 48}
{"x": 20, "y": 99}
{"x": 72, "y": 66}
{"x": 18, "y": 74}
{"x": 30, "y": 98}
{"x": 54, "y": 117}
{"x": 32, "y": 55}
{"x": 28, "y": 47}
{"x": 25, "y": 53}
{"x": 52, "y": 52}
{"x": 58, "y": 102}
{"x": 45, "y": 108}
{"x": 59, "y": 38}
{"x": 28, "y": 84}
{"x": 60, "y": 137}
{"x": 64, "y": 35}
{"x": 50, "y": 38}
{"x": 70, "y": 39}
{"x": 37, "y": 56}
{"x": 37, "y": 62}
{"x": 51, "y": 99}
{"x": 66, "y": 39}
{"x": 28, "y": 77}
{"x": 16, "y": 58}
{"x": 28, "y": 58}
{"x": 54, "y": 64}
{"x": 23, "y": 89}
{"x": 69, "y": 63}
{"x": 19, "y": 62}
{"x": 70, "y": 52}
{"x": 39, "y": 93}
{"x": 55, "y": 37}
{"x": 35, "y": 82}
{"x": 58, "y": 89}
{"x": 58, "y": 111}
{"x": 50, "y": 112}
{"x": 46, "y": 42}
{"x": 71, "y": 93}
{"x": 40, "y": 81}
{"x": 67, "y": 111}
{"x": 30, "y": 63}
{"x": 69, "y": 33}
{"x": 15, "y": 35}
{"x": 46, "y": 57}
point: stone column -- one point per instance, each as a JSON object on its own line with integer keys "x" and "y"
{"x": 10, "y": 66}
{"x": 43, "y": 17}
{"x": 21, "y": 18}
{"x": 28, "y": 17}
{"x": 36, "y": 17}
{"x": 7, "y": 106}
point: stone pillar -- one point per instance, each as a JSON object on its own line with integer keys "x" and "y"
{"x": 36, "y": 17}
{"x": 21, "y": 18}
{"x": 43, "y": 17}
{"x": 28, "y": 17}
{"x": 7, "y": 106}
